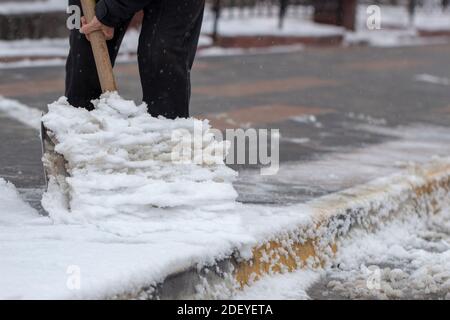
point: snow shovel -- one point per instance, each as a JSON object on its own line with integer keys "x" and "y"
{"x": 54, "y": 163}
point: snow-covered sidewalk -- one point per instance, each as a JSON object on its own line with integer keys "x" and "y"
{"x": 120, "y": 251}
{"x": 39, "y": 255}
{"x": 42, "y": 259}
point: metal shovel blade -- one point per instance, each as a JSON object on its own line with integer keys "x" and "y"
{"x": 55, "y": 166}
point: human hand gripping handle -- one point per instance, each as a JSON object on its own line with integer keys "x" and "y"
{"x": 95, "y": 25}
{"x": 97, "y": 34}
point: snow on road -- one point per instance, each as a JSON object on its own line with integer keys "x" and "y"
{"x": 407, "y": 258}
{"x": 428, "y": 78}
{"x": 37, "y": 252}
{"x": 302, "y": 181}
{"x": 14, "y": 109}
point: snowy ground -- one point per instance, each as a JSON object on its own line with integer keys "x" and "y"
{"x": 131, "y": 249}
{"x": 407, "y": 258}
{"x": 38, "y": 253}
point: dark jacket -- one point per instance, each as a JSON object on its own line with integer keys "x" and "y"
{"x": 113, "y": 12}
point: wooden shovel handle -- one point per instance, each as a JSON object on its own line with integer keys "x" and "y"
{"x": 100, "y": 50}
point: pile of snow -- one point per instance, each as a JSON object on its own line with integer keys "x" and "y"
{"x": 41, "y": 259}
{"x": 123, "y": 162}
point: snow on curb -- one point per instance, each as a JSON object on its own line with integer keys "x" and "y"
{"x": 418, "y": 190}
{"x": 335, "y": 215}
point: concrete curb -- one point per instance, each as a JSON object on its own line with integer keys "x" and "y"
{"x": 421, "y": 190}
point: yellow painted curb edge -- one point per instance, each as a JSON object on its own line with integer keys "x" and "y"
{"x": 420, "y": 190}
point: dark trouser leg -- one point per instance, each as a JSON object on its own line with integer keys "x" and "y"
{"x": 82, "y": 83}
{"x": 167, "y": 47}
